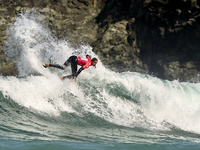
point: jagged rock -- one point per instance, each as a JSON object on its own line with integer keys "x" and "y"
{"x": 156, "y": 37}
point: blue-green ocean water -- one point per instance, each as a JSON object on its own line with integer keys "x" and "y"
{"x": 104, "y": 110}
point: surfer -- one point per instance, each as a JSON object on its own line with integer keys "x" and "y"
{"x": 74, "y": 61}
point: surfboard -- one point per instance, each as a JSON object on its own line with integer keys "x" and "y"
{"x": 70, "y": 93}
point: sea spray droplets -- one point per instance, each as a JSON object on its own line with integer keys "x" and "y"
{"x": 141, "y": 101}
{"x": 32, "y": 45}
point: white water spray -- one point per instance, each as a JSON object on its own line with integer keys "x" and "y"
{"x": 127, "y": 99}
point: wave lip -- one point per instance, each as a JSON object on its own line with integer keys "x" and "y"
{"x": 119, "y": 105}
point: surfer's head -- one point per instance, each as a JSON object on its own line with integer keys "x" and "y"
{"x": 94, "y": 61}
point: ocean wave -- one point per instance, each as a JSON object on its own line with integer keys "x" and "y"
{"x": 103, "y": 103}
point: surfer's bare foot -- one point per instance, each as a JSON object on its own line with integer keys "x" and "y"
{"x": 61, "y": 78}
{"x": 46, "y": 65}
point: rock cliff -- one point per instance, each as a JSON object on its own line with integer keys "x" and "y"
{"x": 159, "y": 37}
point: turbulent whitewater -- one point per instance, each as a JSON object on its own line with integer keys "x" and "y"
{"x": 103, "y": 107}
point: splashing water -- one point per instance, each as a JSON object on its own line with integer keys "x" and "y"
{"x": 130, "y": 100}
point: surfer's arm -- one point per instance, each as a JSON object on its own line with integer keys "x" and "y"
{"x": 88, "y": 57}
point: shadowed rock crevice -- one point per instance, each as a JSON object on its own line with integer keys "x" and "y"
{"x": 155, "y": 37}
{"x": 162, "y": 37}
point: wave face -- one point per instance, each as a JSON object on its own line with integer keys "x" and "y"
{"x": 104, "y": 106}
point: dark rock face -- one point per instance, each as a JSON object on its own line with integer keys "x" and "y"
{"x": 159, "y": 37}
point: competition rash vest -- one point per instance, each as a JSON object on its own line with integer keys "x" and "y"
{"x": 84, "y": 62}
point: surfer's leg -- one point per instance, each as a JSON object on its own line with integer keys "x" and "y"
{"x": 53, "y": 65}
{"x": 56, "y": 66}
{"x": 74, "y": 69}
{"x": 67, "y": 63}
{"x": 74, "y": 63}
{"x": 67, "y": 77}
{"x": 73, "y": 60}
{"x": 70, "y": 60}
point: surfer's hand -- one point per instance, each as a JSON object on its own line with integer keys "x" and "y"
{"x": 61, "y": 78}
{"x": 75, "y": 79}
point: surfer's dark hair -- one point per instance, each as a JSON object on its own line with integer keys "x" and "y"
{"x": 94, "y": 59}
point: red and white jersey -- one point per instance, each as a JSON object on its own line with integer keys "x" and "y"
{"x": 84, "y": 62}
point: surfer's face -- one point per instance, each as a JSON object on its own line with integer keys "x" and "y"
{"x": 94, "y": 63}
